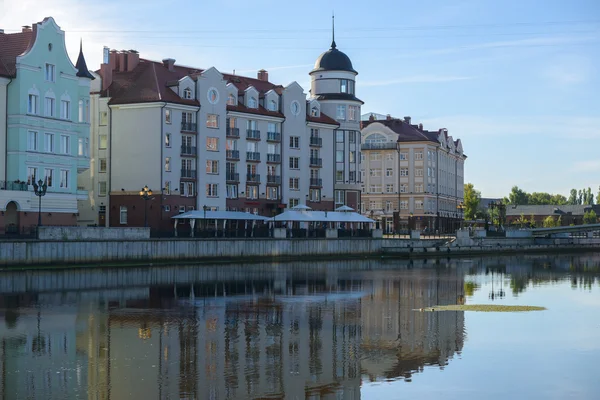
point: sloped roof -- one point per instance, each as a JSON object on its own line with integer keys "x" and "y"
{"x": 82, "y": 69}
{"x": 244, "y": 82}
{"x": 13, "y": 45}
{"x": 406, "y": 132}
{"x": 322, "y": 119}
{"x": 546, "y": 210}
{"x": 259, "y": 111}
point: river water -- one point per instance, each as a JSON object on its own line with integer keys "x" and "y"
{"x": 330, "y": 330}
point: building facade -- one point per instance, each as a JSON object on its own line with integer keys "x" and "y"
{"x": 412, "y": 178}
{"x": 204, "y": 139}
{"x": 44, "y": 127}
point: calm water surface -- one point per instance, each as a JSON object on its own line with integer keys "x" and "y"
{"x": 331, "y": 330}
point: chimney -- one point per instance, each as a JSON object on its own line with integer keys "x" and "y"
{"x": 106, "y": 68}
{"x": 26, "y": 28}
{"x": 407, "y": 120}
{"x": 263, "y": 75}
{"x": 388, "y": 117}
{"x": 371, "y": 117}
{"x": 169, "y": 63}
{"x": 1, "y": 31}
{"x": 420, "y": 127}
{"x": 122, "y": 61}
{"x": 133, "y": 59}
{"x": 114, "y": 60}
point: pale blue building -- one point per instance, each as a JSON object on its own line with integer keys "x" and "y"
{"x": 44, "y": 126}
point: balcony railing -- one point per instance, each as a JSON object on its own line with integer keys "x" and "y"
{"x": 274, "y": 158}
{"x": 188, "y": 173}
{"x": 274, "y": 179}
{"x": 273, "y": 136}
{"x": 252, "y": 134}
{"x": 316, "y": 162}
{"x": 8, "y": 185}
{"x": 188, "y": 150}
{"x": 233, "y": 132}
{"x": 316, "y": 141}
{"x": 253, "y": 178}
{"x": 316, "y": 182}
{"x": 379, "y": 146}
{"x": 252, "y": 156}
{"x": 233, "y": 177}
{"x": 232, "y": 154}
{"x": 188, "y": 126}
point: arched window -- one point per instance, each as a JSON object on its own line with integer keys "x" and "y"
{"x": 376, "y": 138}
{"x": 272, "y": 105}
{"x": 81, "y": 111}
{"x": 231, "y": 100}
{"x": 187, "y": 93}
{"x": 252, "y": 102}
{"x": 314, "y": 111}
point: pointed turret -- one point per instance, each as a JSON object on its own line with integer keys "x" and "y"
{"x": 82, "y": 69}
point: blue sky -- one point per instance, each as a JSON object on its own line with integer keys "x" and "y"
{"x": 516, "y": 80}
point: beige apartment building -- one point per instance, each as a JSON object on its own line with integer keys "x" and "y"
{"x": 412, "y": 178}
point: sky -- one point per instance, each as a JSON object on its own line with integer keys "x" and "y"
{"x": 516, "y": 80}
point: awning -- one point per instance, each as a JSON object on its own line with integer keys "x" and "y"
{"x": 321, "y": 216}
{"x": 220, "y": 215}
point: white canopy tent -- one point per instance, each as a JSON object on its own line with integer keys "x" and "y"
{"x": 217, "y": 216}
{"x": 331, "y": 219}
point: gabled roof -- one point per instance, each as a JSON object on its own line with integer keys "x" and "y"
{"x": 406, "y": 132}
{"x": 13, "y": 45}
{"x": 322, "y": 119}
{"x": 546, "y": 210}
{"x": 244, "y": 82}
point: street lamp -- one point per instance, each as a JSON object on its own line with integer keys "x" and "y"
{"x": 39, "y": 189}
{"x": 461, "y": 208}
{"x": 410, "y": 217}
{"x": 145, "y": 194}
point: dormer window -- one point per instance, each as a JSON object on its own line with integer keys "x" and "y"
{"x": 187, "y": 93}
{"x": 231, "y": 100}
{"x": 252, "y": 102}
{"x": 272, "y": 105}
{"x": 314, "y": 112}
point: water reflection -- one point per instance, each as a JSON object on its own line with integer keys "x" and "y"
{"x": 300, "y": 330}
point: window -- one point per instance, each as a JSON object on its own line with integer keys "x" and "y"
{"x": 388, "y": 206}
{"x": 403, "y": 156}
{"x": 31, "y": 175}
{"x": 352, "y": 113}
{"x": 103, "y": 118}
{"x": 123, "y": 215}
{"x": 64, "y": 178}
{"x": 231, "y": 101}
{"x": 419, "y": 188}
{"x": 187, "y": 93}
{"x": 339, "y": 156}
{"x": 352, "y": 157}
{"x": 390, "y": 157}
{"x": 403, "y": 171}
{"x": 252, "y": 102}
{"x": 339, "y": 136}
{"x": 389, "y": 172}
{"x": 232, "y": 191}
{"x": 212, "y": 121}
{"x": 419, "y": 172}
{"x": 389, "y": 188}
{"x": 294, "y": 162}
{"x": 339, "y": 175}
{"x": 167, "y": 116}
{"x": 167, "y": 188}
{"x": 49, "y": 142}
{"x": 50, "y": 106}
{"x": 314, "y": 195}
{"x": 375, "y": 172}
{"x": 352, "y": 137}
{"x": 352, "y": 176}
{"x": 339, "y": 197}
{"x": 404, "y": 204}
{"x": 168, "y": 164}
{"x": 375, "y": 189}
{"x": 65, "y": 109}
{"x": 50, "y": 73}
{"x": 252, "y": 192}
{"x": 294, "y": 183}
{"x": 212, "y": 190}
{"x": 403, "y": 188}
{"x": 314, "y": 112}
{"x": 65, "y": 144}
{"x": 102, "y": 189}
{"x": 102, "y": 165}
{"x": 212, "y": 166}
{"x": 343, "y": 85}
{"x": 293, "y": 202}
{"x": 272, "y": 105}
{"x": 32, "y": 140}
{"x": 48, "y": 175}
{"x": 272, "y": 192}
{"x": 212, "y": 144}
{"x": 372, "y": 205}
{"x": 167, "y": 208}
{"x": 341, "y": 112}
{"x": 32, "y": 104}
{"x": 419, "y": 204}
{"x": 294, "y": 142}
{"x": 182, "y": 208}
{"x": 375, "y": 157}
{"x": 272, "y": 127}
{"x": 419, "y": 155}
{"x": 167, "y": 140}
{"x": 190, "y": 190}
{"x": 102, "y": 141}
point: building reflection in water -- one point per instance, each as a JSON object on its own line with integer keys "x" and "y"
{"x": 294, "y": 332}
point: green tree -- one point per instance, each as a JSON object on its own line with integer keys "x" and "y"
{"x": 532, "y": 221}
{"x": 590, "y": 197}
{"x": 551, "y": 222}
{"x": 522, "y": 220}
{"x": 517, "y": 196}
{"x": 590, "y": 217}
{"x": 598, "y": 196}
{"x": 472, "y": 199}
{"x": 538, "y": 199}
{"x": 573, "y": 197}
{"x": 558, "y": 199}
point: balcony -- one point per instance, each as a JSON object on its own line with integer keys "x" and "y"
{"x": 316, "y": 162}
{"x": 316, "y": 141}
{"x": 233, "y": 132}
{"x": 252, "y": 156}
{"x": 232, "y": 154}
{"x": 188, "y": 174}
{"x": 188, "y": 151}
{"x": 20, "y": 186}
{"x": 252, "y": 178}
{"x": 273, "y": 158}
{"x": 188, "y": 127}
{"x": 232, "y": 177}
{"x": 379, "y": 146}
{"x": 316, "y": 182}
{"x": 273, "y": 180}
{"x": 273, "y": 137}
{"x": 252, "y": 134}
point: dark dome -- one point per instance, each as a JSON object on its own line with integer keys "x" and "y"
{"x": 333, "y": 60}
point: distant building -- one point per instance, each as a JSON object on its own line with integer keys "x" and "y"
{"x": 568, "y": 214}
{"x": 412, "y": 178}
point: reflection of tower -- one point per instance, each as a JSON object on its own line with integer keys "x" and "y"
{"x": 188, "y": 374}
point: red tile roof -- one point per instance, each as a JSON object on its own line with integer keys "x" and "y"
{"x": 13, "y": 45}
{"x": 406, "y": 132}
{"x": 323, "y": 119}
{"x": 243, "y": 82}
{"x": 259, "y": 111}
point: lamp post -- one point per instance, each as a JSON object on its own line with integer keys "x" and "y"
{"x": 204, "y": 208}
{"x": 410, "y": 217}
{"x": 39, "y": 189}
{"x": 145, "y": 194}
{"x": 461, "y": 208}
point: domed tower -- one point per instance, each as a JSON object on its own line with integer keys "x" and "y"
{"x": 333, "y": 85}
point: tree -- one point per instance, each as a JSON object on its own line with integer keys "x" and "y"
{"x": 532, "y": 221}
{"x": 573, "y": 197}
{"x": 558, "y": 199}
{"x": 551, "y": 222}
{"x": 598, "y": 196}
{"x": 590, "y": 197}
{"x": 580, "y": 197}
{"x": 522, "y": 220}
{"x": 517, "y": 196}
{"x": 590, "y": 217}
{"x": 472, "y": 199}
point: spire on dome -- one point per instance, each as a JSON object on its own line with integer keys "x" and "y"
{"x": 82, "y": 69}
{"x": 333, "y": 46}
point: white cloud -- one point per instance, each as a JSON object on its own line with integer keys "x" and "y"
{"x": 416, "y": 79}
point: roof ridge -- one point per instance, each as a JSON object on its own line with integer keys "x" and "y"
{"x": 156, "y": 80}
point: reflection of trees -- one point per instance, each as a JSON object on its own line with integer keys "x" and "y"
{"x": 470, "y": 288}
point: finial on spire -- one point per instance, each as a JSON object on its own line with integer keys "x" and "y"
{"x": 333, "y": 46}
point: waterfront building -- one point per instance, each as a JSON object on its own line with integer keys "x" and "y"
{"x": 565, "y": 214}
{"x": 44, "y": 126}
{"x": 412, "y": 178}
{"x": 203, "y": 139}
